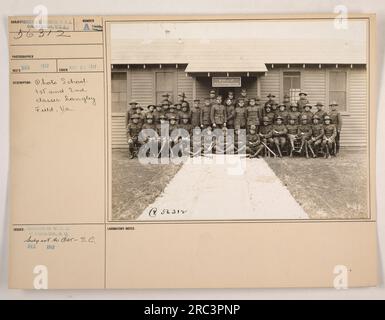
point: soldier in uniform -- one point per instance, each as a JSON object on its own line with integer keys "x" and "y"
{"x": 130, "y": 111}
{"x": 173, "y": 125}
{"x": 240, "y": 115}
{"x": 279, "y": 134}
{"x": 283, "y": 113}
{"x": 294, "y": 113}
{"x": 196, "y": 114}
{"x": 302, "y": 101}
{"x": 218, "y": 115}
{"x": 329, "y": 137}
{"x": 268, "y": 113}
{"x": 185, "y": 123}
{"x": 165, "y": 106}
{"x": 172, "y": 112}
{"x": 336, "y": 119}
{"x": 178, "y": 108}
{"x": 133, "y": 130}
{"x": 274, "y": 108}
{"x": 253, "y": 143}
{"x": 158, "y": 111}
{"x": 252, "y": 114}
{"x": 270, "y": 99}
{"x": 320, "y": 112}
{"x": 266, "y": 133}
{"x": 139, "y": 112}
{"x": 306, "y": 112}
{"x": 286, "y": 101}
{"x": 230, "y": 95}
{"x": 230, "y": 113}
{"x": 304, "y": 133}
{"x": 292, "y": 131}
{"x": 185, "y": 111}
{"x": 212, "y": 96}
{"x": 244, "y": 97}
{"x": 317, "y": 135}
{"x": 206, "y": 114}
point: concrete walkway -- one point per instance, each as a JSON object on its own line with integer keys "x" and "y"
{"x": 224, "y": 188}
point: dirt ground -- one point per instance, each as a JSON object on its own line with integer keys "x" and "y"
{"x": 134, "y": 185}
{"x": 333, "y": 188}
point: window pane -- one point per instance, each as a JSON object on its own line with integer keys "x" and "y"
{"x": 286, "y": 85}
{"x": 340, "y": 98}
{"x": 119, "y": 91}
{"x": 337, "y": 81}
{"x": 296, "y": 83}
{"x": 164, "y": 81}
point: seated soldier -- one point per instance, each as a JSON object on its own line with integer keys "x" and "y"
{"x": 316, "y": 137}
{"x": 266, "y": 133}
{"x": 279, "y": 135}
{"x": 133, "y": 130}
{"x": 253, "y": 143}
{"x": 304, "y": 133}
{"x": 329, "y": 137}
{"x": 292, "y": 131}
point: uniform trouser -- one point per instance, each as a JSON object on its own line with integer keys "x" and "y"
{"x": 338, "y": 141}
{"x": 133, "y": 144}
{"x": 328, "y": 145}
{"x": 254, "y": 148}
{"x": 292, "y": 140}
{"x": 281, "y": 141}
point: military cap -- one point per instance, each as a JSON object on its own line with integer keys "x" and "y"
{"x": 149, "y": 116}
{"x": 177, "y": 104}
{"x": 308, "y": 105}
{"x": 267, "y": 105}
{"x": 172, "y": 117}
{"x": 279, "y": 117}
{"x": 166, "y": 101}
{"x": 241, "y": 99}
{"x": 173, "y": 106}
{"x": 185, "y": 116}
{"x": 266, "y": 119}
{"x": 253, "y": 127}
{"x": 286, "y": 96}
{"x": 243, "y": 90}
{"x": 252, "y": 98}
{"x": 182, "y": 95}
{"x": 302, "y": 94}
{"x": 196, "y": 100}
{"x": 133, "y": 102}
{"x": 271, "y": 95}
{"x": 138, "y": 107}
{"x": 327, "y": 118}
{"x": 162, "y": 116}
{"x": 333, "y": 103}
{"x": 135, "y": 116}
{"x": 316, "y": 117}
{"x": 319, "y": 104}
{"x": 293, "y": 104}
{"x": 212, "y": 91}
{"x": 167, "y": 95}
{"x": 304, "y": 117}
{"x": 282, "y": 105}
{"x": 151, "y": 105}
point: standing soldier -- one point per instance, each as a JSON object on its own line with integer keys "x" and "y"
{"x": 150, "y": 109}
{"x": 182, "y": 97}
{"x": 212, "y": 96}
{"x": 230, "y": 95}
{"x": 158, "y": 111}
{"x": 294, "y": 113}
{"x": 330, "y": 134}
{"x": 130, "y": 111}
{"x": 320, "y": 112}
{"x": 292, "y": 131}
{"x": 286, "y": 101}
{"x": 178, "y": 108}
{"x": 252, "y": 114}
{"x": 206, "y": 114}
{"x": 302, "y": 101}
{"x": 336, "y": 119}
{"x": 240, "y": 115}
{"x": 253, "y": 143}
{"x": 270, "y": 99}
{"x": 185, "y": 111}
{"x": 317, "y": 135}
{"x": 133, "y": 130}
{"x": 218, "y": 114}
{"x": 172, "y": 113}
{"x": 244, "y": 97}
{"x": 165, "y": 106}
{"x": 139, "y": 112}
{"x": 230, "y": 113}
{"x": 149, "y": 124}
{"x": 306, "y": 112}
{"x": 268, "y": 113}
{"x": 304, "y": 133}
{"x": 279, "y": 134}
{"x": 283, "y": 113}
{"x": 196, "y": 114}
{"x": 274, "y": 108}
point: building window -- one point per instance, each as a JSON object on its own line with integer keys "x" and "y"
{"x": 337, "y": 88}
{"x": 119, "y": 91}
{"x": 292, "y": 84}
{"x": 164, "y": 83}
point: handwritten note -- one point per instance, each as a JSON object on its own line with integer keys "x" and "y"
{"x": 68, "y": 93}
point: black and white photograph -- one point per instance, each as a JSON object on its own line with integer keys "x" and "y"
{"x": 239, "y": 120}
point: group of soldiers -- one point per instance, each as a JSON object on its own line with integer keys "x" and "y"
{"x": 271, "y": 128}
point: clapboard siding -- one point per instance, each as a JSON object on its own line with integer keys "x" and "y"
{"x": 271, "y": 83}
{"x": 314, "y": 84}
{"x": 185, "y": 84}
{"x": 355, "y": 122}
{"x": 118, "y": 131}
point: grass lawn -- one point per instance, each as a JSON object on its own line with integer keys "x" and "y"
{"x": 333, "y": 188}
{"x": 134, "y": 185}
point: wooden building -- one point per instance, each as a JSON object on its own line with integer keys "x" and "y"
{"x": 337, "y": 70}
